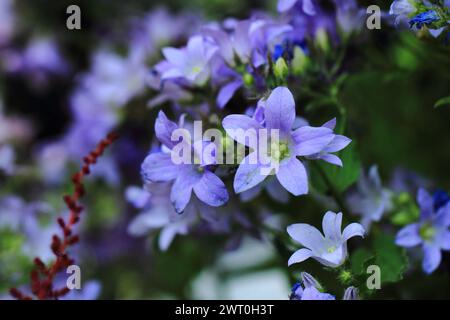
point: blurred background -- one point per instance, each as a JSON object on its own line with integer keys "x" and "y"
{"x": 62, "y": 90}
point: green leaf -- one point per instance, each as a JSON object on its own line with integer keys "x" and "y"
{"x": 343, "y": 178}
{"x": 359, "y": 259}
{"x": 391, "y": 259}
{"x": 442, "y": 102}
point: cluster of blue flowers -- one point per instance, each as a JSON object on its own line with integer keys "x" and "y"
{"x": 262, "y": 59}
{"x": 433, "y": 16}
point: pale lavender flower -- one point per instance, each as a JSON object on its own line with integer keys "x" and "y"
{"x": 190, "y": 63}
{"x": 279, "y": 114}
{"x": 40, "y": 59}
{"x": 19, "y": 216}
{"x": 158, "y": 213}
{"x": 432, "y": 231}
{"x": 7, "y": 159}
{"x": 159, "y": 27}
{"x": 402, "y": 10}
{"x": 167, "y": 90}
{"x": 351, "y": 293}
{"x": 7, "y": 20}
{"x": 307, "y": 6}
{"x": 329, "y": 249}
{"x": 188, "y": 178}
{"x": 114, "y": 80}
{"x": 52, "y": 159}
{"x": 370, "y": 200}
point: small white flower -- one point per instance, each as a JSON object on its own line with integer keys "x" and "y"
{"x": 331, "y": 249}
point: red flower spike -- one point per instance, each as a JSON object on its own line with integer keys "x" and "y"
{"x": 42, "y": 277}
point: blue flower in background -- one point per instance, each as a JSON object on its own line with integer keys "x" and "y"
{"x": 402, "y": 9}
{"x": 371, "y": 200}
{"x": 440, "y": 199}
{"x": 424, "y": 18}
{"x": 432, "y": 231}
{"x": 307, "y": 6}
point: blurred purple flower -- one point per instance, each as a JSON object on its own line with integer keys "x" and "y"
{"x": 7, "y": 20}
{"x": 432, "y": 231}
{"x": 158, "y": 213}
{"x": 22, "y": 217}
{"x": 329, "y": 249}
{"x": 370, "y": 200}
{"x": 402, "y": 10}
{"x": 190, "y": 63}
{"x": 307, "y": 6}
{"x": 7, "y": 159}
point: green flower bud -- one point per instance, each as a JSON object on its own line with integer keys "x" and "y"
{"x": 322, "y": 41}
{"x": 281, "y": 69}
{"x": 248, "y": 79}
{"x": 300, "y": 62}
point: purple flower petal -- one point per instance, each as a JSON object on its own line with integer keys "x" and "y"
{"x": 247, "y": 176}
{"x": 408, "y": 236}
{"x": 337, "y": 144}
{"x": 292, "y": 176}
{"x": 300, "y": 256}
{"x": 158, "y": 167}
{"x": 330, "y": 124}
{"x": 426, "y": 204}
{"x": 311, "y": 293}
{"x": 333, "y": 159}
{"x": 285, "y": 5}
{"x": 211, "y": 190}
{"x": 227, "y": 92}
{"x": 353, "y": 230}
{"x": 432, "y": 258}
{"x": 308, "y": 7}
{"x": 280, "y": 110}
{"x": 331, "y": 225}
{"x": 306, "y": 235}
{"x": 182, "y": 189}
{"x": 175, "y": 56}
{"x": 236, "y": 125}
{"x": 163, "y": 130}
{"x": 310, "y": 140}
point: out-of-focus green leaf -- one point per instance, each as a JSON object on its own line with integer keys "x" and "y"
{"x": 442, "y": 102}
{"x": 340, "y": 178}
{"x": 391, "y": 259}
{"x": 405, "y": 210}
{"x": 359, "y": 259}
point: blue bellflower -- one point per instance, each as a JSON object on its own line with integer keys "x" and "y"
{"x": 330, "y": 248}
{"x": 279, "y": 114}
{"x": 432, "y": 231}
{"x": 188, "y": 178}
